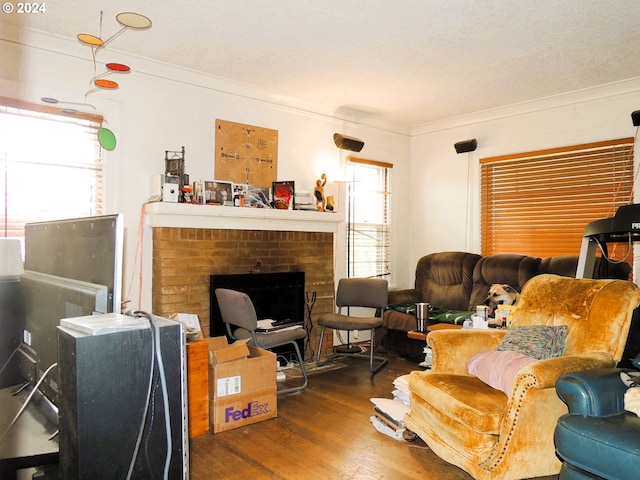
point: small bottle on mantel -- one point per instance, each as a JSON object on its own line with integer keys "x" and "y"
{"x": 187, "y": 194}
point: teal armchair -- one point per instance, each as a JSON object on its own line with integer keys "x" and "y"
{"x": 597, "y": 439}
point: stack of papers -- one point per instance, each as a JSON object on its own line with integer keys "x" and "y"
{"x": 305, "y": 201}
{"x": 388, "y": 417}
{"x": 428, "y": 358}
{"x": 267, "y": 326}
{"x": 401, "y": 391}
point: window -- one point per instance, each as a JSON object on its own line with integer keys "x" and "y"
{"x": 50, "y": 165}
{"x": 538, "y": 203}
{"x": 368, "y": 229}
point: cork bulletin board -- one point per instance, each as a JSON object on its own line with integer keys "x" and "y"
{"x": 246, "y": 154}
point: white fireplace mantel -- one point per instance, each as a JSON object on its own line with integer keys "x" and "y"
{"x": 182, "y": 215}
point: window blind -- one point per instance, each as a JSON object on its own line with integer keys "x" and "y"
{"x": 538, "y": 203}
{"x": 50, "y": 165}
{"x": 368, "y": 223}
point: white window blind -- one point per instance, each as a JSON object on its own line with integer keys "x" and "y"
{"x": 368, "y": 228}
{"x": 50, "y": 165}
{"x": 538, "y": 203}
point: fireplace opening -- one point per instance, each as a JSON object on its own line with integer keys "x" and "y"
{"x": 278, "y": 296}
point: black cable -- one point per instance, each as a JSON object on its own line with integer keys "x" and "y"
{"x": 605, "y": 252}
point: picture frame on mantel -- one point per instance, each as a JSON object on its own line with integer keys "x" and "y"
{"x": 283, "y": 195}
{"x": 218, "y": 192}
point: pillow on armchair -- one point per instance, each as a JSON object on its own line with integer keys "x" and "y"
{"x": 537, "y": 341}
{"x": 520, "y": 346}
{"x": 496, "y": 368}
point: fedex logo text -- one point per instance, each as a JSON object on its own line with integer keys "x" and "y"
{"x": 253, "y": 409}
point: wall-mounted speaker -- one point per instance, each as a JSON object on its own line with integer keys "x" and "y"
{"x": 466, "y": 146}
{"x": 347, "y": 143}
{"x": 635, "y": 118}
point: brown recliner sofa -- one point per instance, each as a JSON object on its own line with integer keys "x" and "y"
{"x": 461, "y": 280}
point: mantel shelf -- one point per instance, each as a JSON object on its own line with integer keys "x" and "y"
{"x": 181, "y": 215}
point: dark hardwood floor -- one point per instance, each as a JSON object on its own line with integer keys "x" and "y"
{"x": 323, "y": 432}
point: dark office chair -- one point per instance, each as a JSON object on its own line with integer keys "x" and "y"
{"x": 237, "y": 310}
{"x": 356, "y": 292}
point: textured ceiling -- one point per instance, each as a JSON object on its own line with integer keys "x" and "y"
{"x": 403, "y": 61}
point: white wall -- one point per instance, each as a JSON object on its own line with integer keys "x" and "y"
{"x": 448, "y": 214}
{"x": 435, "y": 194}
{"x": 159, "y": 107}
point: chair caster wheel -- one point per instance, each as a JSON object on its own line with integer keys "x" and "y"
{"x": 409, "y": 436}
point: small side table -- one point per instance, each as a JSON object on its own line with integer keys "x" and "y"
{"x": 415, "y": 335}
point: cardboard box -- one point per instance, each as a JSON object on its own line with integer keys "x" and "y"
{"x": 220, "y": 351}
{"x": 242, "y": 390}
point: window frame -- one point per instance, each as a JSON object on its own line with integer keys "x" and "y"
{"x": 373, "y": 236}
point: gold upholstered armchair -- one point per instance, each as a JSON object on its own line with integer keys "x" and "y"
{"x": 489, "y": 404}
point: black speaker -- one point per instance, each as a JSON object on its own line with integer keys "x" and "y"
{"x": 635, "y": 118}
{"x": 347, "y": 143}
{"x": 466, "y": 146}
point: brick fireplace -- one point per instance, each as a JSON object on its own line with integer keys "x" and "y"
{"x": 191, "y": 242}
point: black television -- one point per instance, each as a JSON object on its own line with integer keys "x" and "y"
{"x": 73, "y": 268}
{"x": 89, "y": 249}
{"x": 48, "y": 299}
{"x": 278, "y": 296}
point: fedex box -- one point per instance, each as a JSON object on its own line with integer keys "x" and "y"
{"x": 242, "y": 390}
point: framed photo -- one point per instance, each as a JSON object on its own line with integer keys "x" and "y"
{"x": 240, "y": 191}
{"x": 283, "y": 195}
{"x": 218, "y": 193}
{"x": 240, "y": 188}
